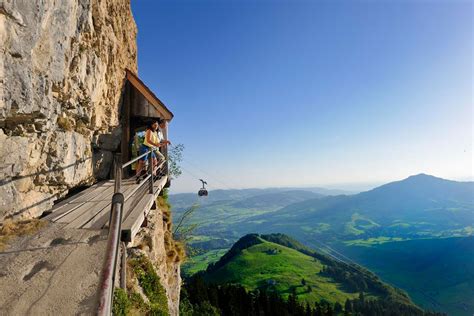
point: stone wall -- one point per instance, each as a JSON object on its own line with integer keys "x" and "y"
{"x": 62, "y": 68}
{"x": 155, "y": 240}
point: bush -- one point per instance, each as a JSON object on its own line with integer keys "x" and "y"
{"x": 121, "y": 304}
{"x": 151, "y": 285}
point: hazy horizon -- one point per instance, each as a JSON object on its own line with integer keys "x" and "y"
{"x": 351, "y": 188}
{"x": 299, "y": 93}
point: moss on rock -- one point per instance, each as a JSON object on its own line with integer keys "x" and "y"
{"x": 150, "y": 283}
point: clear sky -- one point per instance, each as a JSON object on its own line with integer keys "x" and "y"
{"x": 302, "y": 93}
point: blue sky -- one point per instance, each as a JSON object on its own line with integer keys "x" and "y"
{"x": 312, "y": 93}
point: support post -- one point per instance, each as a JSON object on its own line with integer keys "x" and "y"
{"x": 118, "y": 172}
{"x": 165, "y": 151}
{"x": 123, "y": 268}
{"x": 117, "y": 178}
{"x": 150, "y": 168}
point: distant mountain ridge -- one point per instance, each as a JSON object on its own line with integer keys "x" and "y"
{"x": 420, "y": 205}
{"x": 187, "y": 199}
{"x": 424, "y": 188}
{"x": 278, "y": 199}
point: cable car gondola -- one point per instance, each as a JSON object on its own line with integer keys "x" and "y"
{"x": 202, "y": 191}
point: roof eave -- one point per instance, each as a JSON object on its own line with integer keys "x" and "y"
{"x": 148, "y": 94}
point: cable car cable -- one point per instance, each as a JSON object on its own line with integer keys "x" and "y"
{"x": 328, "y": 250}
{"x": 210, "y": 176}
{"x": 213, "y": 177}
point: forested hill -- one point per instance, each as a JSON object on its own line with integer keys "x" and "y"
{"x": 255, "y": 257}
{"x": 299, "y": 280}
{"x": 272, "y": 262}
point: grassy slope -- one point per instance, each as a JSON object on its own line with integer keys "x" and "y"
{"x": 437, "y": 273}
{"x": 254, "y": 267}
{"x": 200, "y": 262}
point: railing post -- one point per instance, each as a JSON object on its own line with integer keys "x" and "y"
{"x": 150, "y": 168}
{"x": 165, "y": 151}
{"x": 123, "y": 267}
{"x": 165, "y": 165}
{"x": 117, "y": 177}
{"x": 118, "y": 172}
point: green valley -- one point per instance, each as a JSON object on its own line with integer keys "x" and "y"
{"x": 438, "y": 273}
{"x": 385, "y": 229}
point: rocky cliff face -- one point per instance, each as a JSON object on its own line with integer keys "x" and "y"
{"x": 155, "y": 240}
{"x": 62, "y": 69}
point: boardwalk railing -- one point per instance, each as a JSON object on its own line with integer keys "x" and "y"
{"x": 115, "y": 228}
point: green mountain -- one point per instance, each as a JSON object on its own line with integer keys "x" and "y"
{"x": 278, "y": 263}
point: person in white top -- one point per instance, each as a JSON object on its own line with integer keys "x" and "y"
{"x": 161, "y": 138}
{"x": 164, "y": 142}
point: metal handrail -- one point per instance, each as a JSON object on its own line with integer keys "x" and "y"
{"x": 113, "y": 241}
{"x": 136, "y": 159}
{"x": 149, "y": 178}
{"x": 107, "y": 284}
{"x": 128, "y": 163}
{"x": 110, "y": 264}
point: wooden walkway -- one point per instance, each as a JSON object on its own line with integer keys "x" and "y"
{"x": 90, "y": 209}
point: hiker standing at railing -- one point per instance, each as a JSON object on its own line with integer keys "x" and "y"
{"x": 153, "y": 140}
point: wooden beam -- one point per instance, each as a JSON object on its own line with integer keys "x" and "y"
{"x": 125, "y": 120}
{"x": 149, "y": 95}
{"x": 134, "y": 220}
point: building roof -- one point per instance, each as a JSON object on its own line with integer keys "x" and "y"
{"x": 149, "y": 95}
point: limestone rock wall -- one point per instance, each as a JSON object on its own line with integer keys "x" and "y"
{"x": 62, "y": 68}
{"x": 155, "y": 240}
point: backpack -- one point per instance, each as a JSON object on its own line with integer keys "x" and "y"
{"x": 137, "y": 142}
{"x": 139, "y": 139}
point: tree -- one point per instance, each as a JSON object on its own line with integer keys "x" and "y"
{"x": 292, "y": 303}
{"x": 329, "y": 311}
{"x": 205, "y": 308}
{"x": 185, "y": 307}
{"x": 184, "y": 229}
{"x": 337, "y": 307}
{"x": 348, "y": 306}
{"x": 175, "y": 156}
{"x": 308, "y": 310}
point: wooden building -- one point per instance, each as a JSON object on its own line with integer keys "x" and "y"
{"x": 139, "y": 106}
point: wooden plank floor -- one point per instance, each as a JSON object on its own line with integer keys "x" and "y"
{"x": 90, "y": 209}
